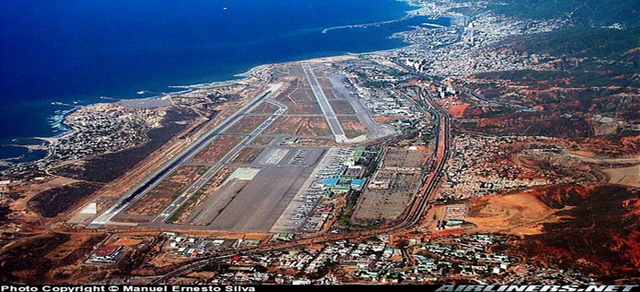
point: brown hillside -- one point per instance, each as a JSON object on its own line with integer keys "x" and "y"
{"x": 600, "y": 234}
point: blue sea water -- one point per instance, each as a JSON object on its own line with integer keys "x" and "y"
{"x": 71, "y": 52}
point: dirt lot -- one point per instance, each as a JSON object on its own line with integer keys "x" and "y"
{"x": 342, "y": 107}
{"x": 127, "y": 242}
{"x": 622, "y": 171}
{"x": 352, "y": 126}
{"x": 404, "y": 158}
{"x": 180, "y": 217}
{"x": 262, "y": 140}
{"x": 303, "y": 94}
{"x": 328, "y": 92}
{"x": 629, "y": 176}
{"x": 300, "y": 126}
{"x": 303, "y": 108}
{"x": 454, "y": 107}
{"x": 247, "y": 155}
{"x": 246, "y": 124}
{"x": 297, "y": 92}
{"x": 324, "y": 82}
{"x": 159, "y": 197}
{"x": 265, "y": 108}
{"x": 217, "y": 149}
{"x": 594, "y": 229}
{"x": 513, "y": 214}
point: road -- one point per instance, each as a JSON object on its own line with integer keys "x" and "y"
{"x": 408, "y": 219}
{"x": 174, "y": 163}
{"x": 442, "y": 153}
{"x": 327, "y": 110}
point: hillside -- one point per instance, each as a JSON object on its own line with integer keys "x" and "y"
{"x": 592, "y": 72}
{"x": 593, "y": 229}
{"x": 581, "y": 12}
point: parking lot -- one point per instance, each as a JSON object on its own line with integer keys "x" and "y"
{"x": 305, "y": 213}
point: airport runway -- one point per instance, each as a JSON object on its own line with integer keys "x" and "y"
{"x": 173, "y": 164}
{"x": 327, "y": 110}
{"x": 374, "y": 130}
{"x": 211, "y": 173}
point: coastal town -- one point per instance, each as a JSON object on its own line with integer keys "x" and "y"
{"x": 392, "y": 167}
{"x": 412, "y": 260}
{"x": 370, "y": 261}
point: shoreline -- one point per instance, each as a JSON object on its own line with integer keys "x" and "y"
{"x": 59, "y": 120}
{"x": 408, "y": 15}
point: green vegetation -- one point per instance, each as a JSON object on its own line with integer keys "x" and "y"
{"x": 54, "y": 201}
{"x": 176, "y": 215}
{"x": 4, "y": 211}
{"x": 373, "y": 164}
{"x": 29, "y": 262}
{"x": 585, "y": 12}
{"x": 595, "y": 65}
{"x": 603, "y": 43}
{"x": 591, "y": 57}
{"x": 345, "y": 219}
{"x": 110, "y": 166}
{"x": 186, "y": 206}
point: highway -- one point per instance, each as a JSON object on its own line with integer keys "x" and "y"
{"x": 442, "y": 153}
{"x": 412, "y": 215}
{"x": 327, "y": 110}
{"x": 174, "y": 163}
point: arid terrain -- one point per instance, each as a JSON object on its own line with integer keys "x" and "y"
{"x": 502, "y": 146}
{"x": 593, "y": 229}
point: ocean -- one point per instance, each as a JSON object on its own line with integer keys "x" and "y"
{"x": 60, "y": 54}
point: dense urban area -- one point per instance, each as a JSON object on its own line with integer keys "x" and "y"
{"x": 501, "y": 148}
